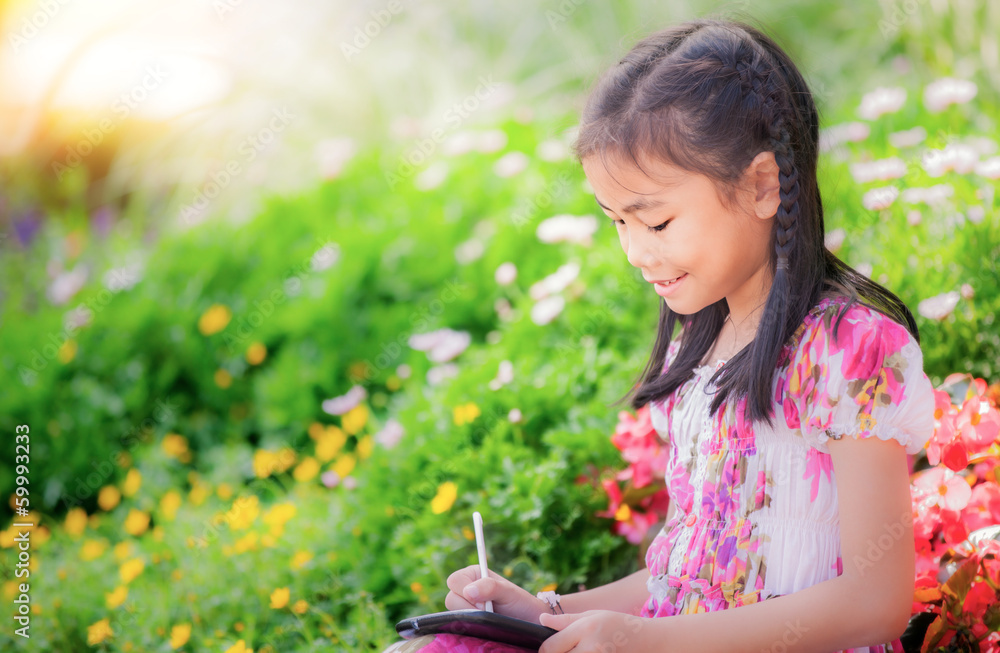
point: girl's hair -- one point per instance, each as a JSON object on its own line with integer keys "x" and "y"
{"x": 707, "y": 96}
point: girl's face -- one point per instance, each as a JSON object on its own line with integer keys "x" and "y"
{"x": 673, "y": 227}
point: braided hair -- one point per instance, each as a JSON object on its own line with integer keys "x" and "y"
{"x": 707, "y": 96}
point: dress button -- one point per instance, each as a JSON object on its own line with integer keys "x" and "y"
{"x": 690, "y": 520}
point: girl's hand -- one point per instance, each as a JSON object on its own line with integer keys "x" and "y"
{"x": 595, "y": 631}
{"x": 468, "y": 590}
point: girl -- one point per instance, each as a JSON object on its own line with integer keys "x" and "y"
{"x": 790, "y": 395}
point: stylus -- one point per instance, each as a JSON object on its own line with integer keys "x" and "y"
{"x": 477, "y": 521}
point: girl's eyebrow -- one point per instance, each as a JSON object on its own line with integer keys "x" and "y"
{"x": 638, "y": 205}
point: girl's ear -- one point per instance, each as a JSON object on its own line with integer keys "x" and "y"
{"x": 762, "y": 175}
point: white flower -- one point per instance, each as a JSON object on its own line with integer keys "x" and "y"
{"x": 491, "y": 141}
{"x": 913, "y": 218}
{"x": 459, "y": 143}
{"x": 880, "y": 198}
{"x": 940, "y": 94}
{"x": 510, "y": 164}
{"x": 432, "y": 177}
{"x": 931, "y": 195}
{"x": 975, "y": 214}
{"x": 989, "y": 168}
{"x": 439, "y": 373}
{"x": 565, "y": 227}
{"x": 547, "y": 309}
{"x": 940, "y": 306}
{"x": 504, "y": 375}
{"x": 881, "y": 169}
{"x": 555, "y": 282}
{"x": 503, "y": 309}
{"x": 958, "y": 157}
{"x": 967, "y": 291}
{"x": 843, "y": 133}
{"x": 390, "y": 434}
{"x": 835, "y": 239}
{"x": 325, "y": 257}
{"x": 881, "y": 101}
{"x": 403, "y": 371}
{"x": 552, "y": 150}
{"x": 864, "y": 269}
{"x": 331, "y": 155}
{"x": 67, "y": 284}
{"x": 350, "y": 483}
{"x": 514, "y": 416}
{"x": 442, "y": 345}
{"x": 505, "y": 274}
{"x": 908, "y": 138}
{"x": 123, "y": 277}
{"x": 469, "y": 251}
{"x": 345, "y": 402}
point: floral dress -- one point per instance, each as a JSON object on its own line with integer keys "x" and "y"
{"x": 756, "y": 506}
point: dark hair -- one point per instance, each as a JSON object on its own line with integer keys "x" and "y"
{"x": 707, "y": 96}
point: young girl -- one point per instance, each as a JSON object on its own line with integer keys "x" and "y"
{"x": 790, "y": 395}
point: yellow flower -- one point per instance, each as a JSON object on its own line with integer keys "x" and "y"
{"x": 224, "y": 491}
{"x": 92, "y": 549}
{"x": 300, "y": 559}
{"x": 98, "y": 632}
{"x": 223, "y": 379}
{"x": 67, "y": 352}
{"x": 137, "y": 522}
{"x": 179, "y": 635}
{"x": 278, "y": 515}
{"x": 354, "y": 419}
{"x": 468, "y": 533}
{"x": 279, "y": 598}
{"x": 344, "y": 465}
{"x": 329, "y": 442}
{"x": 130, "y": 569}
{"x": 177, "y": 446}
{"x": 123, "y": 550}
{"x": 108, "y": 497}
{"x": 466, "y": 413}
{"x": 256, "y": 353}
{"x": 624, "y": 513}
{"x": 445, "y": 497}
{"x": 169, "y": 504}
{"x": 199, "y": 492}
{"x": 133, "y": 480}
{"x": 265, "y": 463}
{"x": 246, "y": 543}
{"x": 416, "y": 587}
{"x": 116, "y": 598}
{"x": 10, "y": 589}
{"x": 76, "y": 521}
{"x": 300, "y": 607}
{"x": 306, "y": 470}
{"x": 393, "y": 383}
{"x": 365, "y": 446}
{"x": 239, "y": 647}
{"x": 214, "y": 319}
{"x": 243, "y": 512}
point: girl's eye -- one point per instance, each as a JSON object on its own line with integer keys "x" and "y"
{"x": 660, "y": 227}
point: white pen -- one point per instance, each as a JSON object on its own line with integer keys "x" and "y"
{"x": 477, "y": 521}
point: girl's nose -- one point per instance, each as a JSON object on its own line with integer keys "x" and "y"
{"x": 640, "y": 254}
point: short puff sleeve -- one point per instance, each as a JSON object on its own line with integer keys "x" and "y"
{"x": 866, "y": 381}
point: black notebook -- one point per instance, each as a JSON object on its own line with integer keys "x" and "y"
{"x": 477, "y": 623}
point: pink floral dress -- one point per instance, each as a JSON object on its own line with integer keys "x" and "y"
{"x": 756, "y": 507}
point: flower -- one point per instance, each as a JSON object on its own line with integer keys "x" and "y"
{"x": 133, "y": 480}
{"x": 940, "y": 94}
{"x": 116, "y": 597}
{"x": 176, "y": 446}
{"x": 169, "y": 504}
{"x": 108, "y": 497}
{"x": 130, "y": 569}
{"x": 882, "y": 169}
{"x": 329, "y": 441}
{"x": 66, "y": 285}
{"x": 300, "y": 559}
{"x": 940, "y": 306}
{"x": 943, "y": 488}
{"x": 300, "y": 607}
{"x": 567, "y": 228}
{"x": 76, "y": 521}
{"x": 330, "y": 478}
{"x": 92, "y": 549}
{"x": 256, "y": 353}
{"x": 989, "y": 168}
{"x": 137, "y": 522}
{"x": 931, "y": 196}
{"x": 390, "y": 434}
{"x": 505, "y": 274}
{"x": 306, "y": 470}
{"x": 515, "y": 416}
{"x": 444, "y": 499}
{"x": 214, "y": 319}
{"x": 880, "y": 198}
{"x": 959, "y": 157}
{"x": 908, "y": 137}
{"x": 354, "y": 419}
{"x": 179, "y": 635}
{"x": 331, "y": 156}
{"x": 344, "y": 465}
{"x": 833, "y": 136}
{"x": 239, "y": 647}
{"x": 432, "y": 177}
{"x": 439, "y": 373}
{"x": 442, "y": 345}
{"x": 834, "y": 239}
{"x": 466, "y": 413}
{"x": 279, "y": 598}
{"x": 510, "y": 164}
{"x": 98, "y": 632}
{"x": 555, "y": 282}
{"x": 222, "y": 378}
{"x": 469, "y": 251}
{"x": 547, "y": 309}
{"x": 881, "y": 101}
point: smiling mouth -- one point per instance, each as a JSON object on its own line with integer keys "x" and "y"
{"x": 672, "y": 281}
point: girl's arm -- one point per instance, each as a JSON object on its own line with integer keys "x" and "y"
{"x": 626, "y": 595}
{"x": 868, "y": 604}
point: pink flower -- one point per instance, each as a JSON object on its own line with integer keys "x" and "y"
{"x": 984, "y": 506}
{"x": 942, "y": 487}
{"x": 344, "y": 403}
{"x": 940, "y": 94}
{"x": 880, "y": 198}
{"x": 881, "y": 101}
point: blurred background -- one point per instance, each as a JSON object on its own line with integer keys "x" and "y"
{"x": 225, "y": 224}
